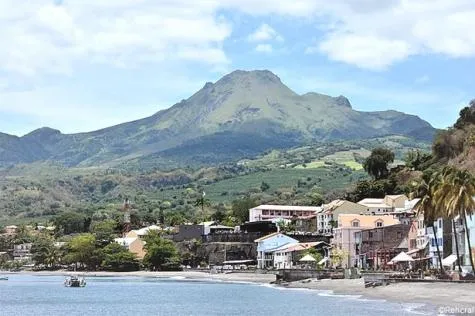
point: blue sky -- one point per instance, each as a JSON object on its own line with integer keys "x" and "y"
{"x": 87, "y": 64}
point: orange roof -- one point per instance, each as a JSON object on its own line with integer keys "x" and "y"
{"x": 366, "y": 221}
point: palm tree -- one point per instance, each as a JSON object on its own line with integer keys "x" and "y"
{"x": 427, "y": 206}
{"x": 443, "y": 193}
{"x": 460, "y": 199}
{"x": 202, "y": 202}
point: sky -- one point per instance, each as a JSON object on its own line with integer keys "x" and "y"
{"x": 82, "y": 65}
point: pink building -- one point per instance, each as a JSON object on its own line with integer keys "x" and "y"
{"x": 349, "y": 224}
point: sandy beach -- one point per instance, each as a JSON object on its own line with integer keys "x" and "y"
{"x": 438, "y": 294}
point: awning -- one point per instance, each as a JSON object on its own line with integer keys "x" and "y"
{"x": 450, "y": 260}
{"x": 402, "y": 257}
{"x": 322, "y": 261}
{"x": 308, "y": 258}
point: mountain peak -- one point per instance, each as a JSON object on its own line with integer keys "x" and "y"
{"x": 343, "y": 101}
{"x": 42, "y": 133}
{"x": 260, "y": 75}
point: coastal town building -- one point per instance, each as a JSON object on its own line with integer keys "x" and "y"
{"x": 273, "y": 212}
{"x": 388, "y": 204}
{"x": 22, "y": 252}
{"x": 327, "y": 218}
{"x": 375, "y": 247}
{"x": 471, "y": 229}
{"x": 198, "y": 231}
{"x": 267, "y": 245}
{"x": 133, "y": 244}
{"x": 287, "y": 256}
{"x": 348, "y": 225}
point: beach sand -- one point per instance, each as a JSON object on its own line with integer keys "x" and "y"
{"x": 438, "y": 294}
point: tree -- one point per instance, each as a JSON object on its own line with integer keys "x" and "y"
{"x": 264, "y": 186}
{"x": 219, "y": 215}
{"x": 82, "y": 250}
{"x": 44, "y": 252}
{"x": 417, "y": 160}
{"x": 316, "y": 199}
{"x": 118, "y": 258}
{"x": 467, "y": 116}
{"x": 161, "y": 254}
{"x": 241, "y": 207}
{"x": 457, "y": 194}
{"x": 427, "y": 206}
{"x": 105, "y": 231}
{"x": 339, "y": 256}
{"x": 23, "y": 235}
{"x": 376, "y": 165}
{"x": 70, "y": 223}
{"x": 202, "y": 202}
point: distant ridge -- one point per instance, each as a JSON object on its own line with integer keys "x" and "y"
{"x": 243, "y": 113}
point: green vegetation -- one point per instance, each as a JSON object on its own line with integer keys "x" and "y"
{"x": 377, "y": 163}
{"x": 72, "y": 198}
{"x": 162, "y": 255}
{"x": 117, "y": 258}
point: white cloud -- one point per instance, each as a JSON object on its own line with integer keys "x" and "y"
{"x": 376, "y": 34}
{"x": 264, "y": 48}
{"x": 41, "y": 37}
{"x": 264, "y": 33}
{"x": 364, "y": 51}
{"x": 44, "y": 37}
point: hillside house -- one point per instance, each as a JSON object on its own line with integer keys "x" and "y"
{"x": 385, "y": 205}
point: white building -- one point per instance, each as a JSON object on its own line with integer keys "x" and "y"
{"x": 387, "y": 204}
{"x": 267, "y": 245}
{"x": 327, "y": 219}
{"x": 270, "y": 212}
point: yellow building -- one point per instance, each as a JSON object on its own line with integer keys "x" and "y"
{"x": 134, "y": 245}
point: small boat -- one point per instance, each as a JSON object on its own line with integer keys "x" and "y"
{"x": 74, "y": 281}
{"x": 3, "y": 278}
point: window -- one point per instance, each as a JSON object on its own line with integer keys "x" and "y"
{"x": 440, "y": 223}
{"x": 379, "y": 224}
{"x": 355, "y": 224}
{"x": 370, "y": 234}
{"x": 399, "y": 235}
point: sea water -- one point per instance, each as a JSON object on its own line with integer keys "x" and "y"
{"x": 46, "y": 295}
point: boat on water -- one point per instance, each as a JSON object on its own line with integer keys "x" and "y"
{"x": 74, "y": 281}
{"x": 3, "y": 278}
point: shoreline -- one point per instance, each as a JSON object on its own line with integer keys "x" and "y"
{"x": 426, "y": 294}
{"x": 250, "y": 277}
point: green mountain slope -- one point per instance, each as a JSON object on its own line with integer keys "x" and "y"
{"x": 242, "y": 114}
